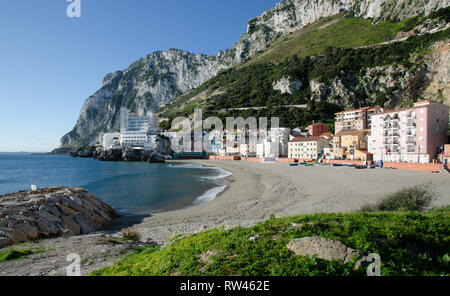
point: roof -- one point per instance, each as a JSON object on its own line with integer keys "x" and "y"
{"x": 304, "y": 139}
{"x": 410, "y": 108}
{"x": 354, "y": 110}
{"x": 365, "y": 108}
{"x": 363, "y": 151}
{"x": 352, "y": 132}
{"x": 327, "y": 134}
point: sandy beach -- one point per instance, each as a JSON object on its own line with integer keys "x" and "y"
{"x": 256, "y": 191}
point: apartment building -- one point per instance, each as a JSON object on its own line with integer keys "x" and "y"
{"x": 358, "y": 119}
{"x": 137, "y": 131}
{"x": 410, "y": 135}
{"x": 351, "y": 145}
{"x": 316, "y": 129}
{"x": 307, "y": 148}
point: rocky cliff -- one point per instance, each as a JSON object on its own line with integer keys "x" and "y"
{"x": 154, "y": 81}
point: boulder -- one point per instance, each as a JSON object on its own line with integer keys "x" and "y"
{"x": 16, "y": 236}
{"x": 4, "y": 241}
{"x": 70, "y": 226}
{"x": 325, "y": 249}
{"x": 46, "y": 227}
{"x": 29, "y": 230}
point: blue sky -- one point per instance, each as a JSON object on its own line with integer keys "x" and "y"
{"x": 50, "y": 64}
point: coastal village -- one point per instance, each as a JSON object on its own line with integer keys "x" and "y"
{"x": 410, "y": 138}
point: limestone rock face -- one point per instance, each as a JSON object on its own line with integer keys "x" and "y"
{"x": 28, "y": 215}
{"x": 287, "y": 85}
{"x": 438, "y": 73}
{"x": 325, "y": 249}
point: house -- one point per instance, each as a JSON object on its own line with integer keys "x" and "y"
{"x": 350, "y": 144}
{"x": 413, "y": 134}
{"x": 307, "y": 147}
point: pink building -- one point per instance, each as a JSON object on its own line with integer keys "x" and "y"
{"x": 409, "y": 135}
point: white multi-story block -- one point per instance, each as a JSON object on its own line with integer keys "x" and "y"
{"x": 137, "y": 131}
{"x": 111, "y": 141}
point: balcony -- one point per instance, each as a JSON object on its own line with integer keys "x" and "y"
{"x": 411, "y": 115}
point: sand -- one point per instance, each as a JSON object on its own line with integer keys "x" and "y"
{"x": 256, "y": 191}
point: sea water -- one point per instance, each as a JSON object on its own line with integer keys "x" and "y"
{"x": 129, "y": 187}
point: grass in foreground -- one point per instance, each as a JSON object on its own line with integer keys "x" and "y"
{"x": 409, "y": 243}
{"x": 11, "y": 254}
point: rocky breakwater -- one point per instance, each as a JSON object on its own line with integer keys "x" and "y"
{"x": 51, "y": 212}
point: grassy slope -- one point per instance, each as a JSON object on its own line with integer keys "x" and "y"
{"x": 408, "y": 243}
{"x": 334, "y": 31}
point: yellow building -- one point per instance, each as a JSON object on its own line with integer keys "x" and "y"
{"x": 351, "y": 144}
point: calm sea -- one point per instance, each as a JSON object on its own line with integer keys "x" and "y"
{"x": 129, "y": 187}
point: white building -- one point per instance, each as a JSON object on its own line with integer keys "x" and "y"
{"x": 307, "y": 147}
{"x": 111, "y": 141}
{"x": 138, "y": 131}
{"x": 269, "y": 148}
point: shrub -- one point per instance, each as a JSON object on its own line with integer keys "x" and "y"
{"x": 417, "y": 198}
{"x": 129, "y": 234}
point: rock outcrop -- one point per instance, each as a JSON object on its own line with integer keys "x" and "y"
{"x": 325, "y": 249}
{"x": 287, "y": 85}
{"x": 154, "y": 81}
{"x": 438, "y": 72}
{"x": 28, "y": 215}
{"x": 161, "y": 152}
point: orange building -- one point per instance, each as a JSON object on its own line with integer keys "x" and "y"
{"x": 316, "y": 129}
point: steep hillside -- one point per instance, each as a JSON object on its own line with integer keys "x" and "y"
{"x": 346, "y": 74}
{"x": 153, "y": 82}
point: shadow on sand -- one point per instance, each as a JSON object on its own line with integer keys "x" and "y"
{"x": 124, "y": 221}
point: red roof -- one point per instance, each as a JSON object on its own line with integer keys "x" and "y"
{"x": 328, "y": 134}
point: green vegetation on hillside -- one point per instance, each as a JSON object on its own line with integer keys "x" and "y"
{"x": 409, "y": 243}
{"x": 252, "y": 86}
{"x": 334, "y": 31}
